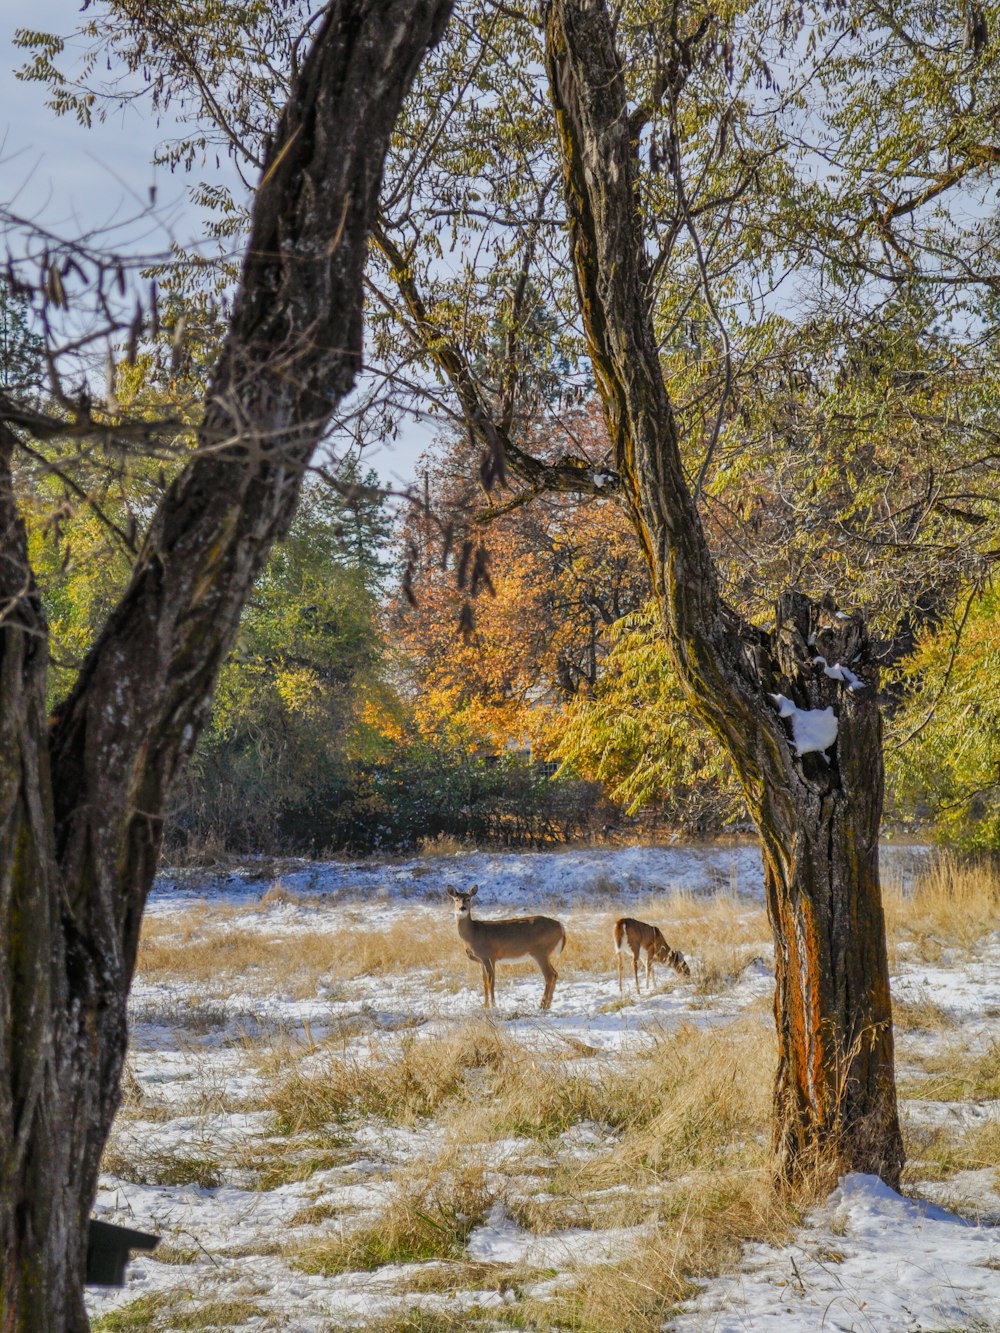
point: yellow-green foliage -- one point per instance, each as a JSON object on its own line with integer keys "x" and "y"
{"x": 637, "y": 734}
{"x": 950, "y": 729}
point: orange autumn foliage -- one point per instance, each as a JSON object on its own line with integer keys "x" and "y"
{"x": 562, "y": 570}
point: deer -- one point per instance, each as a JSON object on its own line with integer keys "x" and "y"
{"x": 536, "y": 937}
{"x": 640, "y": 935}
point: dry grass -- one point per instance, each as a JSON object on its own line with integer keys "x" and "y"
{"x": 399, "y": 1082}
{"x": 445, "y": 844}
{"x": 694, "y": 1101}
{"x": 700, "y": 1233}
{"x": 920, "y": 1015}
{"x": 177, "y": 1254}
{"x": 427, "y": 941}
{"x": 936, "y": 1154}
{"x": 429, "y": 1216}
{"x": 418, "y": 1320}
{"x": 689, "y": 1121}
{"x": 278, "y": 892}
{"x": 956, "y": 1074}
{"x": 213, "y": 955}
{"x": 271, "y": 1165}
{"x": 952, "y": 903}
{"x": 142, "y": 1167}
{"x": 680, "y": 1127}
{"x": 204, "y": 946}
{"x": 170, "y": 1312}
{"x": 716, "y": 932}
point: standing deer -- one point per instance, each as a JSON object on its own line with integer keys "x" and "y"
{"x": 536, "y": 937}
{"x": 640, "y": 935}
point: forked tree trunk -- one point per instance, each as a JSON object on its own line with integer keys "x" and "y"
{"x": 82, "y": 797}
{"x": 817, "y": 814}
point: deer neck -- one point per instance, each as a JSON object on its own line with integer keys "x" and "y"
{"x": 466, "y": 927}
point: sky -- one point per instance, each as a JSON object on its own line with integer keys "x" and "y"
{"x": 72, "y": 178}
{"x": 75, "y": 180}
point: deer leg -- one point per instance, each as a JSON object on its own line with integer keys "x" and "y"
{"x": 486, "y": 985}
{"x": 635, "y": 970}
{"x": 649, "y": 971}
{"x": 551, "y": 976}
{"x": 618, "y": 958}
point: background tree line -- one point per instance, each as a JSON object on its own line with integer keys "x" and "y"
{"x": 827, "y": 333}
{"x": 349, "y": 716}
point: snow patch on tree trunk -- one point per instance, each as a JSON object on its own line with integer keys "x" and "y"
{"x": 840, "y": 672}
{"x": 812, "y": 728}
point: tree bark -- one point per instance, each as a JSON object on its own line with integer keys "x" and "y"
{"x": 835, "y": 1099}
{"x": 82, "y": 798}
{"x": 817, "y": 813}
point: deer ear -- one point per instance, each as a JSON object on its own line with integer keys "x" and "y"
{"x": 474, "y": 889}
{"x": 452, "y": 890}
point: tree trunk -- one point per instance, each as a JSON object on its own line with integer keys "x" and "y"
{"x": 835, "y": 1098}
{"x": 82, "y": 798}
{"x": 817, "y": 812}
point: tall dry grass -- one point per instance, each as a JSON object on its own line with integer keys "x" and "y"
{"x": 718, "y": 935}
{"x": 207, "y": 951}
{"x": 701, "y": 1234}
{"x": 398, "y": 1082}
{"x": 212, "y": 947}
{"x": 693, "y": 1102}
{"x": 429, "y": 1215}
{"x": 680, "y": 1126}
{"x": 939, "y": 1152}
{"x": 953, "y": 902}
{"x": 954, "y": 1073}
{"x": 685, "y": 1158}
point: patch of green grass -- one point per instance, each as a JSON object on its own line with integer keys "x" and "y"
{"x": 274, "y": 1164}
{"x": 161, "y": 1311}
{"x": 417, "y": 1320}
{"x": 431, "y": 1219}
{"x": 144, "y": 1315}
{"x": 145, "y": 1167}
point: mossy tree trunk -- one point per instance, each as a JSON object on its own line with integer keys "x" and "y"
{"x": 817, "y": 814}
{"x": 82, "y": 795}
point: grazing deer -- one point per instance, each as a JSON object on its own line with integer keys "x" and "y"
{"x": 536, "y": 937}
{"x": 639, "y": 935}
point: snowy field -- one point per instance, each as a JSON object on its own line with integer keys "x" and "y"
{"x": 327, "y": 1132}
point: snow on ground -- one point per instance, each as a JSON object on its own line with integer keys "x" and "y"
{"x": 867, "y": 1259}
{"x": 968, "y": 988}
{"x": 500, "y": 1240}
{"x": 509, "y": 879}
